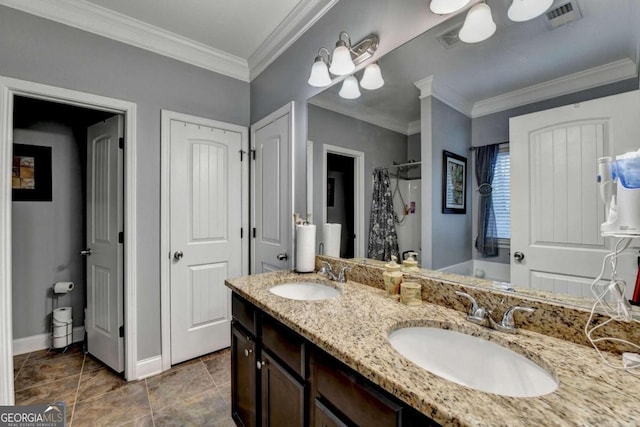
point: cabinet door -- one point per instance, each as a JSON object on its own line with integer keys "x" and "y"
{"x": 282, "y": 396}
{"x": 243, "y": 378}
{"x": 325, "y": 418}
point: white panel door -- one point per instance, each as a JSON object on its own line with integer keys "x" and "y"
{"x": 272, "y": 217}
{"x": 556, "y": 210}
{"x": 205, "y": 216}
{"x": 104, "y": 265}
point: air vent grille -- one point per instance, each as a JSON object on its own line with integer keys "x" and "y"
{"x": 450, "y": 38}
{"x": 563, "y": 14}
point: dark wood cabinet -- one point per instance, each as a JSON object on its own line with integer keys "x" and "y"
{"x": 282, "y": 395}
{"x": 281, "y": 379}
{"x": 243, "y": 377}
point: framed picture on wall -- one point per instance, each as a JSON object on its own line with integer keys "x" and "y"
{"x": 454, "y": 183}
{"x": 31, "y": 173}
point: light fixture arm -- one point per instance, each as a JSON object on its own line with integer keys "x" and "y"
{"x": 320, "y": 57}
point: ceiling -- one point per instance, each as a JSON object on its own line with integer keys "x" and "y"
{"x": 512, "y": 68}
{"x": 238, "y": 38}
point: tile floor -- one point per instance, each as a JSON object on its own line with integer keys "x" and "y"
{"x": 193, "y": 393}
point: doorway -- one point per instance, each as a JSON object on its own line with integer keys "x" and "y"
{"x": 9, "y": 90}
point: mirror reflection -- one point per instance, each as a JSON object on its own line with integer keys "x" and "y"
{"x": 545, "y": 93}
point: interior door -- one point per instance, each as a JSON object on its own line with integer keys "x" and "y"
{"x": 556, "y": 245}
{"x": 105, "y": 313}
{"x": 205, "y": 216}
{"x": 271, "y": 213}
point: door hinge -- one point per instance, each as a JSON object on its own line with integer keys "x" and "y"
{"x": 121, "y": 331}
{"x": 121, "y": 237}
{"x": 242, "y": 153}
{"x": 253, "y": 154}
{"x": 254, "y": 232}
{"x": 121, "y": 142}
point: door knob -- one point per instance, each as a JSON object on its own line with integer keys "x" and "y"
{"x": 85, "y": 252}
{"x": 282, "y": 257}
{"x": 247, "y": 352}
{"x": 518, "y": 256}
{"x": 260, "y": 364}
{"x": 178, "y": 255}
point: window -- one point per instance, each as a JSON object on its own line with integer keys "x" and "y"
{"x": 501, "y": 194}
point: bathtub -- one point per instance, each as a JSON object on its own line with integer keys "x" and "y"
{"x": 495, "y": 271}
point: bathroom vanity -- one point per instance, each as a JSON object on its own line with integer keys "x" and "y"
{"x": 330, "y": 363}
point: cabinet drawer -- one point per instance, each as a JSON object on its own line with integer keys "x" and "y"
{"x": 350, "y": 395}
{"x": 285, "y": 344}
{"x": 244, "y": 313}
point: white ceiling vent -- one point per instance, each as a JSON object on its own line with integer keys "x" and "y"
{"x": 450, "y": 38}
{"x": 563, "y": 14}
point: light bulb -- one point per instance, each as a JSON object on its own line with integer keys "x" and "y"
{"x": 443, "y": 7}
{"x": 478, "y": 24}
{"x": 341, "y": 62}
{"x": 350, "y": 89}
{"x": 524, "y": 10}
{"x": 319, "y": 73}
{"x": 372, "y": 78}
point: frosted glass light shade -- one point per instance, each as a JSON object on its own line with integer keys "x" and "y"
{"x": 478, "y": 25}
{"x": 319, "y": 74}
{"x": 341, "y": 62}
{"x": 350, "y": 89}
{"x": 524, "y": 10}
{"x": 443, "y": 7}
{"x": 372, "y": 78}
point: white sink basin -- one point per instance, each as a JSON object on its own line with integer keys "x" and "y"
{"x": 305, "y": 291}
{"x": 472, "y": 362}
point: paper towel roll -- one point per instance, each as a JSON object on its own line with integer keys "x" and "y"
{"x": 63, "y": 287}
{"x": 331, "y": 239}
{"x": 305, "y": 248}
{"x": 62, "y": 314}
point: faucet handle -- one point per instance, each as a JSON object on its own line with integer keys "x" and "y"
{"x": 507, "y": 319}
{"x": 342, "y": 275}
{"x": 476, "y": 314}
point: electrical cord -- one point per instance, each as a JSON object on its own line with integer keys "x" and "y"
{"x": 620, "y": 313}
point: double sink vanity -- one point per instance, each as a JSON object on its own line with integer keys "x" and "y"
{"x": 310, "y": 351}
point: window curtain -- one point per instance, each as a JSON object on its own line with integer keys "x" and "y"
{"x": 383, "y": 240}
{"x": 487, "y": 240}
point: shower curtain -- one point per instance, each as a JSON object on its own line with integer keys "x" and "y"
{"x": 383, "y": 240}
{"x": 487, "y": 240}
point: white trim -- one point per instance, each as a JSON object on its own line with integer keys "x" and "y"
{"x": 165, "y": 216}
{"x": 358, "y": 184}
{"x": 328, "y": 101}
{"x": 8, "y": 88}
{"x": 280, "y": 112}
{"x": 42, "y": 341}
{"x": 429, "y": 87}
{"x": 310, "y": 177}
{"x": 149, "y": 367}
{"x": 593, "y": 77}
{"x": 116, "y": 26}
{"x": 297, "y": 22}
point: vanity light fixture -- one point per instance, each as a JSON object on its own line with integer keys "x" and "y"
{"x": 344, "y": 59}
{"x": 350, "y": 89}
{"x": 524, "y": 10}
{"x": 443, "y": 7}
{"x": 372, "y": 77}
{"x": 478, "y": 24}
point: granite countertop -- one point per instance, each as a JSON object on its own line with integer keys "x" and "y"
{"x": 354, "y": 327}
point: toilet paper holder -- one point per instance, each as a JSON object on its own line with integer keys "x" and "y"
{"x": 56, "y": 326}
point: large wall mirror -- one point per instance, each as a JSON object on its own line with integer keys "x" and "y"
{"x": 556, "y": 92}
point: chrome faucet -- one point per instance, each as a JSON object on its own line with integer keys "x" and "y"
{"x": 481, "y": 316}
{"x": 327, "y": 271}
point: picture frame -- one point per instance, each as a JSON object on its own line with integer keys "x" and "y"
{"x": 454, "y": 183}
{"x": 31, "y": 178}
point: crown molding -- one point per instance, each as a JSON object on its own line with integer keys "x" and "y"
{"x": 326, "y": 100}
{"x": 297, "y": 22}
{"x": 593, "y": 77}
{"x": 429, "y": 87}
{"x": 107, "y": 23}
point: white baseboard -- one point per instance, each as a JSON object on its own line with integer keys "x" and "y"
{"x": 41, "y": 341}
{"x": 148, "y": 367}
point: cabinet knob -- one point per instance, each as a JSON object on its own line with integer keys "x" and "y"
{"x": 247, "y": 352}
{"x": 261, "y": 363}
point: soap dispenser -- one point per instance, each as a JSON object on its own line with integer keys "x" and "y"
{"x": 392, "y": 278}
{"x": 410, "y": 265}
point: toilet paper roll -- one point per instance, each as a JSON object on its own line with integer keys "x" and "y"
{"x": 331, "y": 239}
{"x": 62, "y": 314}
{"x": 305, "y": 248}
{"x": 63, "y": 287}
{"x": 62, "y": 330}
{"x": 61, "y": 342}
